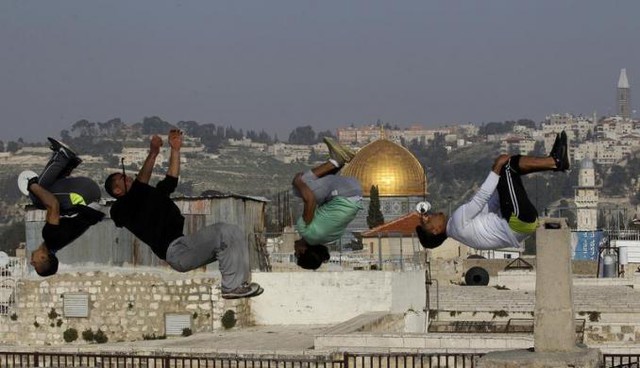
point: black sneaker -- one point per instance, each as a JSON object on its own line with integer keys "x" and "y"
{"x": 246, "y": 290}
{"x": 58, "y": 146}
{"x": 560, "y": 153}
{"x": 74, "y": 160}
{"x": 73, "y": 163}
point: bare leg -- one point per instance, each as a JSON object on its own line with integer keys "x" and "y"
{"x": 325, "y": 168}
{"x": 529, "y": 164}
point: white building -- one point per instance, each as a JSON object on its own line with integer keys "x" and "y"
{"x": 586, "y": 197}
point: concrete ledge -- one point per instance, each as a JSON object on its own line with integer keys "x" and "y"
{"x": 581, "y": 358}
{"x": 437, "y": 343}
{"x": 360, "y": 323}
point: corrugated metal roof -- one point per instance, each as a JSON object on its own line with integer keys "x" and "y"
{"x": 106, "y": 244}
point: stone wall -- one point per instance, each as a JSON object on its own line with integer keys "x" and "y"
{"x": 334, "y": 297}
{"x": 126, "y": 306}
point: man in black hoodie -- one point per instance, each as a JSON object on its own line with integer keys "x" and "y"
{"x": 150, "y": 214}
{"x": 71, "y": 204}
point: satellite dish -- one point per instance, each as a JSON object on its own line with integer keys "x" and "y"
{"x": 23, "y": 180}
{"x": 423, "y": 207}
{"x": 4, "y": 259}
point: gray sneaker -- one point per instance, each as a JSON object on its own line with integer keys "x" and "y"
{"x": 245, "y": 290}
{"x": 338, "y": 152}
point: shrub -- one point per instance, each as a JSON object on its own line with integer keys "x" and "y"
{"x": 229, "y": 319}
{"x": 59, "y": 322}
{"x": 14, "y": 317}
{"x": 100, "y": 337}
{"x": 500, "y": 313}
{"x": 594, "y": 316}
{"x": 186, "y": 331}
{"x": 87, "y": 335}
{"x": 53, "y": 314}
{"x": 154, "y": 337}
{"x": 70, "y": 335}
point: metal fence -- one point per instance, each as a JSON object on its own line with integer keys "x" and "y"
{"x": 348, "y": 360}
{"x": 10, "y": 273}
{"x": 387, "y": 251}
{"x": 621, "y": 361}
{"x": 406, "y": 360}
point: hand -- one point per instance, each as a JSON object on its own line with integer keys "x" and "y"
{"x": 175, "y": 139}
{"x": 499, "y": 163}
{"x": 154, "y": 146}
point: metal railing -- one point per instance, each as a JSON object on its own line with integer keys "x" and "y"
{"x": 348, "y": 360}
{"x": 55, "y": 360}
{"x": 621, "y": 360}
{"x": 513, "y": 325}
{"x": 26, "y": 359}
{"x": 389, "y": 251}
{"x": 10, "y": 274}
{"x": 413, "y": 360}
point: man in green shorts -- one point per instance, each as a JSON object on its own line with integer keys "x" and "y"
{"x": 331, "y": 202}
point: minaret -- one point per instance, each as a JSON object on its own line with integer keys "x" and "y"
{"x": 624, "y": 95}
{"x": 586, "y": 197}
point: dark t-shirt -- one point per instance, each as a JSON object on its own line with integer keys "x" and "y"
{"x": 69, "y": 229}
{"x": 150, "y": 214}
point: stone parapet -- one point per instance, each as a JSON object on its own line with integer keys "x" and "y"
{"x": 125, "y": 306}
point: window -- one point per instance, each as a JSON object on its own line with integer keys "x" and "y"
{"x": 76, "y": 305}
{"x": 174, "y": 323}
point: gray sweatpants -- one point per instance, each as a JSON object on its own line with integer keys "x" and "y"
{"x": 222, "y": 242}
{"x": 329, "y": 186}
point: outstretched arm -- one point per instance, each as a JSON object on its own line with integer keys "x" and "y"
{"x": 49, "y": 201}
{"x": 307, "y": 197}
{"x": 482, "y": 196}
{"x": 175, "y": 141}
{"x": 147, "y": 168}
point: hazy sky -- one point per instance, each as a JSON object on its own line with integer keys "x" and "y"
{"x": 276, "y": 65}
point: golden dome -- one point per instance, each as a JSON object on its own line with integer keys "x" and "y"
{"x": 390, "y": 166}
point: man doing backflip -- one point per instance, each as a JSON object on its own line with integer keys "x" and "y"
{"x": 500, "y": 215}
{"x": 331, "y": 202}
{"x": 154, "y": 218}
{"x": 70, "y": 202}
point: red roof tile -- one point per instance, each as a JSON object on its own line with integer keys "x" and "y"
{"x": 405, "y": 225}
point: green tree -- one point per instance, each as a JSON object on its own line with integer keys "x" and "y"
{"x": 303, "y": 135}
{"x": 12, "y": 236}
{"x": 326, "y": 133}
{"x": 615, "y": 182}
{"x": 1, "y": 146}
{"x": 155, "y": 125}
{"x": 374, "y": 217}
{"x": 84, "y": 128}
{"x": 12, "y": 147}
